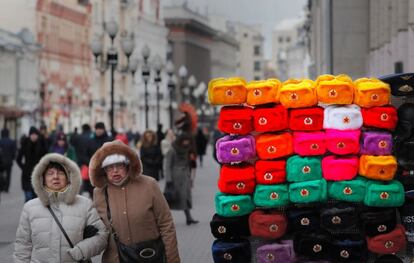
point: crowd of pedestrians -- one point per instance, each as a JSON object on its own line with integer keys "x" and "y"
{"x": 82, "y": 191}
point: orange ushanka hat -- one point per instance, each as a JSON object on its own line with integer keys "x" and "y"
{"x": 296, "y": 93}
{"x": 335, "y": 89}
{"x": 229, "y": 91}
{"x": 263, "y": 91}
{"x": 371, "y": 92}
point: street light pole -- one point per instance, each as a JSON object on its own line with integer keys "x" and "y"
{"x": 145, "y": 52}
{"x": 158, "y": 67}
{"x": 182, "y": 73}
{"x": 171, "y": 87}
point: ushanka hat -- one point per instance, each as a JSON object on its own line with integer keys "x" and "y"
{"x": 340, "y": 218}
{"x": 384, "y": 117}
{"x": 229, "y": 91}
{"x": 371, "y": 92}
{"x": 299, "y": 169}
{"x": 234, "y": 250}
{"x": 308, "y": 191}
{"x": 309, "y": 143}
{"x": 267, "y": 224}
{"x": 306, "y": 119}
{"x": 335, "y": 89}
{"x": 270, "y": 119}
{"x": 314, "y": 245}
{"x": 276, "y": 253}
{"x": 391, "y": 242}
{"x": 338, "y": 168}
{"x": 303, "y": 219}
{"x": 297, "y": 93}
{"x": 235, "y": 120}
{"x": 263, "y": 91}
{"x": 270, "y": 172}
{"x": 378, "y": 167}
{"x": 378, "y": 220}
{"x": 230, "y": 227}
{"x": 345, "y": 117}
{"x": 342, "y": 142}
{"x": 376, "y": 143}
{"x": 237, "y": 179}
{"x": 233, "y": 205}
{"x": 384, "y": 194}
{"x": 271, "y": 146}
{"x": 349, "y": 190}
{"x": 349, "y": 250}
{"x": 271, "y": 196}
{"x": 235, "y": 148}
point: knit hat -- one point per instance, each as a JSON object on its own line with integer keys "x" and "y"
{"x": 114, "y": 158}
{"x": 33, "y": 130}
{"x": 100, "y": 125}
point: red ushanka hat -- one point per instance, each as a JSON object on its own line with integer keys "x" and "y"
{"x": 235, "y": 120}
{"x": 237, "y": 179}
{"x": 270, "y": 172}
{"x": 384, "y": 117}
{"x": 270, "y": 119}
{"x": 306, "y": 119}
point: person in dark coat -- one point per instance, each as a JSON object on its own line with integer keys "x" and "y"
{"x": 201, "y": 143}
{"x": 178, "y": 173}
{"x": 79, "y": 143}
{"x": 151, "y": 156}
{"x": 8, "y": 148}
{"x": 32, "y": 150}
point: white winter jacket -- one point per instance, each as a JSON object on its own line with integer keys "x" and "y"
{"x": 38, "y": 237}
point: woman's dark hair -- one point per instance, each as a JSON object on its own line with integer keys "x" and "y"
{"x": 57, "y": 166}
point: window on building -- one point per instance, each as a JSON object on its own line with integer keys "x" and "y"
{"x": 256, "y": 78}
{"x": 280, "y": 39}
{"x": 257, "y": 50}
{"x": 288, "y": 39}
{"x": 398, "y": 67}
{"x": 257, "y": 65}
{"x": 245, "y": 35}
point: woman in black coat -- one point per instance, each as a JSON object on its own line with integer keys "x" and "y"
{"x": 151, "y": 156}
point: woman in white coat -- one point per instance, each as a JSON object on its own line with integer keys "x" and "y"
{"x": 56, "y": 181}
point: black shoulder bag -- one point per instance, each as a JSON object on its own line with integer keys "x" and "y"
{"x": 151, "y": 251}
{"x": 64, "y": 233}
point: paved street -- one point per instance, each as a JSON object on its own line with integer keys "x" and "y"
{"x": 194, "y": 241}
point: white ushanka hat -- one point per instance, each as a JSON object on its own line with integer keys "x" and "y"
{"x": 344, "y": 117}
{"x": 114, "y": 158}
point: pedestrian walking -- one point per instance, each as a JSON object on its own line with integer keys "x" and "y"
{"x": 8, "y": 153}
{"x": 166, "y": 145}
{"x": 131, "y": 205}
{"x": 46, "y": 138}
{"x": 31, "y": 151}
{"x": 39, "y": 238}
{"x": 62, "y": 146}
{"x": 201, "y": 143}
{"x": 177, "y": 172}
{"x": 150, "y": 153}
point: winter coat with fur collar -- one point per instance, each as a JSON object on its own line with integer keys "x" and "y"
{"x": 139, "y": 210}
{"x": 38, "y": 237}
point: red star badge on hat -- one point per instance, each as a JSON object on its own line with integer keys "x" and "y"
{"x": 235, "y": 151}
{"x": 340, "y": 145}
{"x": 271, "y": 149}
{"x": 257, "y": 92}
{"x": 229, "y": 92}
{"x": 346, "y": 120}
{"x": 344, "y": 254}
{"x": 222, "y": 229}
{"x": 227, "y": 256}
{"x": 270, "y": 256}
{"x": 384, "y": 195}
{"x": 314, "y": 146}
{"x": 382, "y": 144}
{"x": 333, "y": 93}
{"x": 268, "y": 176}
{"x": 274, "y": 195}
{"x": 306, "y": 169}
{"x": 235, "y": 208}
{"x": 347, "y": 190}
{"x": 389, "y": 244}
{"x": 305, "y": 221}
{"x": 294, "y": 96}
{"x": 336, "y": 220}
{"x": 240, "y": 186}
{"x": 384, "y": 117}
{"x": 273, "y": 228}
{"x": 262, "y": 121}
{"x": 374, "y": 97}
{"x": 317, "y": 248}
{"x": 304, "y": 192}
{"x": 237, "y": 126}
{"x": 308, "y": 121}
{"x": 382, "y": 228}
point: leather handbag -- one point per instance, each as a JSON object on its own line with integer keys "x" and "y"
{"x": 388, "y": 243}
{"x": 384, "y": 194}
{"x": 263, "y": 92}
{"x": 306, "y": 119}
{"x": 340, "y": 219}
{"x": 349, "y": 250}
{"x": 335, "y": 89}
{"x": 271, "y": 196}
{"x": 349, "y": 190}
{"x": 276, "y": 253}
{"x": 343, "y": 117}
{"x": 308, "y": 191}
{"x": 371, "y": 92}
{"x": 299, "y": 169}
{"x": 229, "y": 91}
{"x": 267, "y": 224}
{"x": 384, "y": 117}
{"x": 230, "y": 227}
{"x": 298, "y": 93}
{"x": 237, "y": 179}
{"x": 271, "y": 146}
{"x": 270, "y": 172}
{"x": 338, "y": 168}
{"x": 378, "y": 220}
{"x": 231, "y": 251}
{"x": 270, "y": 119}
{"x": 342, "y": 142}
{"x": 233, "y": 205}
{"x": 309, "y": 143}
{"x": 376, "y": 143}
{"x": 235, "y": 120}
{"x": 314, "y": 245}
{"x": 378, "y": 167}
{"x": 303, "y": 219}
{"x": 234, "y": 149}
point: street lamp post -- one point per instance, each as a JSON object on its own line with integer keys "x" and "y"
{"x": 192, "y": 82}
{"x": 158, "y": 67}
{"x": 182, "y": 73}
{"x": 145, "y": 52}
{"x": 171, "y": 88}
{"x": 127, "y": 45}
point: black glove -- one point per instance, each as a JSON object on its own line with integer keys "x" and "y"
{"x": 89, "y": 231}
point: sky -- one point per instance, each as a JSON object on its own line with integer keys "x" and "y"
{"x": 267, "y": 13}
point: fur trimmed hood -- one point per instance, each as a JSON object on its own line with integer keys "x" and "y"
{"x": 73, "y": 174}
{"x": 97, "y": 174}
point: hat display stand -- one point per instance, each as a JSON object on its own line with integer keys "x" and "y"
{"x": 314, "y": 198}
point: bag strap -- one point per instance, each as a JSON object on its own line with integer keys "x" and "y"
{"x": 60, "y": 226}
{"x": 108, "y": 214}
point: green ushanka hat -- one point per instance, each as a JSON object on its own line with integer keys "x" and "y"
{"x": 308, "y": 191}
{"x": 274, "y": 195}
{"x": 233, "y": 205}
{"x": 384, "y": 194}
{"x": 299, "y": 169}
{"x": 350, "y": 191}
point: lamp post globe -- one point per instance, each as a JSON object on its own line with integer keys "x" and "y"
{"x": 111, "y": 28}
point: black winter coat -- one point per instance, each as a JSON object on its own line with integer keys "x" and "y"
{"x": 151, "y": 158}
{"x": 8, "y": 148}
